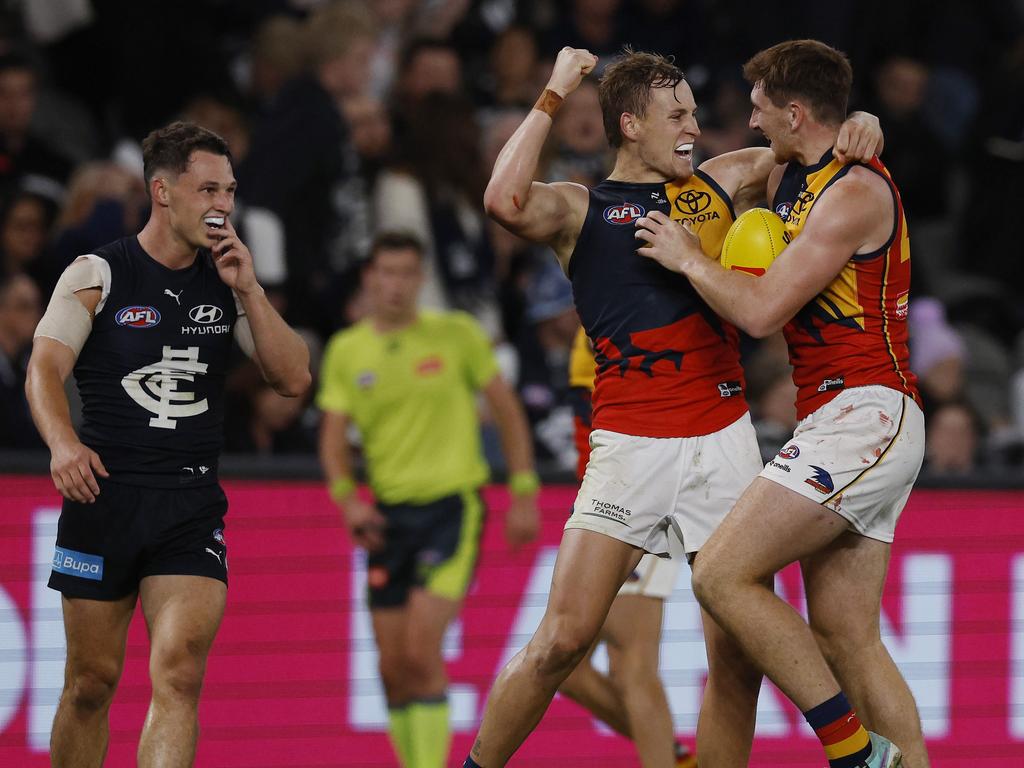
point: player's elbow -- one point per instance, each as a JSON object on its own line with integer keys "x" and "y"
{"x": 294, "y": 385}
{"x": 761, "y": 324}
{"x": 499, "y": 203}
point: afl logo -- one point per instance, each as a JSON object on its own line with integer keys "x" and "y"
{"x": 626, "y": 213}
{"x": 206, "y": 313}
{"x": 783, "y": 210}
{"x": 137, "y": 317}
{"x": 789, "y": 452}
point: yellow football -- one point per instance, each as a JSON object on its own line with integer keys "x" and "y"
{"x": 753, "y": 241}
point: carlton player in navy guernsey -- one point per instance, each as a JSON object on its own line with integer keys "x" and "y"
{"x": 147, "y": 323}
{"x": 672, "y": 445}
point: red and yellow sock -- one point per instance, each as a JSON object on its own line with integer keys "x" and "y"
{"x": 846, "y": 743}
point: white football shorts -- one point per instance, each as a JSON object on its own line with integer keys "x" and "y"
{"x": 665, "y": 495}
{"x": 858, "y": 455}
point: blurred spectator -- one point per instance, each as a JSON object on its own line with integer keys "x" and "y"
{"x": 434, "y": 193}
{"x": 427, "y": 66}
{"x": 727, "y": 126}
{"x": 304, "y": 168}
{"x": 25, "y": 224}
{"x": 25, "y": 161}
{"x": 543, "y": 349}
{"x": 580, "y": 152}
{"x": 277, "y": 55}
{"x": 263, "y": 422}
{"x": 515, "y": 78}
{"x": 953, "y": 436}
{"x": 591, "y": 24}
{"x": 937, "y": 351}
{"x": 20, "y": 310}
{"x": 368, "y": 120}
{"x": 104, "y": 203}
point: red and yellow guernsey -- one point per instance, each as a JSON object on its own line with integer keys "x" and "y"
{"x": 853, "y": 333}
{"x": 666, "y": 365}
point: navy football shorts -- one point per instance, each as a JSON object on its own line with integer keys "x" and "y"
{"x": 106, "y": 548}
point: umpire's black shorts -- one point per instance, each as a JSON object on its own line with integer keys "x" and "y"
{"x": 106, "y": 548}
{"x": 433, "y": 546}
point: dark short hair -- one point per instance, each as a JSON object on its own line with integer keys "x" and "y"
{"x": 626, "y": 86}
{"x": 804, "y": 70}
{"x": 170, "y": 148}
{"x": 418, "y": 45}
{"x": 394, "y": 241}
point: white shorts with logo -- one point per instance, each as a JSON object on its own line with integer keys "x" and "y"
{"x": 665, "y": 495}
{"x": 653, "y": 577}
{"x": 858, "y": 455}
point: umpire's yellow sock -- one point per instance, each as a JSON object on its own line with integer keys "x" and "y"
{"x": 430, "y": 733}
{"x": 400, "y": 730}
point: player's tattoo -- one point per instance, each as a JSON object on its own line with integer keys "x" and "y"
{"x": 477, "y": 747}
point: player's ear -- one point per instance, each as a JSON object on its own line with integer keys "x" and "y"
{"x": 797, "y": 115}
{"x": 159, "y": 192}
{"x": 629, "y": 126}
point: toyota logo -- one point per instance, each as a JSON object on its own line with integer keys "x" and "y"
{"x": 206, "y": 313}
{"x": 692, "y": 201}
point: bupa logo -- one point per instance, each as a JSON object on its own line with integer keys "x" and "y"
{"x": 72, "y": 563}
{"x": 626, "y": 213}
{"x": 206, "y": 313}
{"x": 137, "y": 317}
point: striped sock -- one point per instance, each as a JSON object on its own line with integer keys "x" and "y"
{"x": 846, "y": 743}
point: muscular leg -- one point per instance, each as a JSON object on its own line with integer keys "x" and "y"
{"x": 633, "y": 628}
{"x": 96, "y": 632}
{"x": 596, "y": 692}
{"x": 844, "y": 589}
{"x": 182, "y": 614}
{"x": 589, "y": 571}
{"x": 769, "y": 527}
{"x": 725, "y": 727}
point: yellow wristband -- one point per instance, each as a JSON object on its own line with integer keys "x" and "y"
{"x": 523, "y": 483}
{"x": 340, "y": 488}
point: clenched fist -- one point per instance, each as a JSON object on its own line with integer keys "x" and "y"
{"x": 571, "y": 66}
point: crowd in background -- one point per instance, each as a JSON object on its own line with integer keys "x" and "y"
{"x": 349, "y": 118}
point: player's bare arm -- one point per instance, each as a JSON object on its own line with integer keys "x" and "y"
{"x": 743, "y": 174}
{"x": 522, "y": 524}
{"x": 73, "y": 466}
{"x": 364, "y": 522}
{"x": 280, "y": 353}
{"x": 552, "y": 214}
{"x": 855, "y": 217}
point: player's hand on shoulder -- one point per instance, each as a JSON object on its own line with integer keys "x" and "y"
{"x": 860, "y": 138}
{"x": 571, "y": 66}
{"x": 233, "y": 261}
{"x": 73, "y": 467}
{"x": 522, "y": 523}
{"x": 365, "y": 523}
{"x": 664, "y": 240}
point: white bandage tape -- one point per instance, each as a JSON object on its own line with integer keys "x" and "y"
{"x": 66, "y": 319}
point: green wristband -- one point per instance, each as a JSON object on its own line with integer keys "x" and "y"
{"x": 523, "y": 483}
{"x": 340, "y": 488}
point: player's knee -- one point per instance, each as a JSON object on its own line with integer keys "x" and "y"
{"x": 178, "y": 676}
{"x": 841, "y": 644}
{"x": 560, "y": 650}
{"x": 710, "y": 582}
{"x": 91, "y": 689}
{"x": 424, "y": 667}
{"x": 393, "y": 676}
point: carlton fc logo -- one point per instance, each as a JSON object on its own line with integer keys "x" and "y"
{"x": 626, "y": 213}
{"x": 137, "y": 317}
